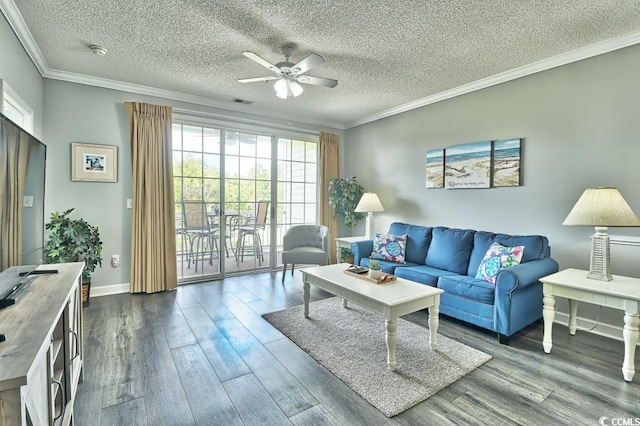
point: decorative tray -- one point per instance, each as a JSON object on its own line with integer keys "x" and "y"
{"x": 363, "y": 273}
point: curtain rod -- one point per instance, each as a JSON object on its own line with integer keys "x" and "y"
{"x": 240, "y": 120}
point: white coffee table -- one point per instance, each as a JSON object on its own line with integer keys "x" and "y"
{"x": 392, "y": 300}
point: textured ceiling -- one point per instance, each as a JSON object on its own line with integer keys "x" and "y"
{"x": 383, "y": 53}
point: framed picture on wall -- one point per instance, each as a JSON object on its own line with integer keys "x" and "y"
{"x": 468, "y": 165}
{"x": 506, "y": 163}
{"x": 435, "y": 168}
{"x": 94, "y": 163}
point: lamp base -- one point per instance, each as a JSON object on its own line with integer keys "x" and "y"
{"x": 600, "y": 267}
{"x": 368, "y": 227}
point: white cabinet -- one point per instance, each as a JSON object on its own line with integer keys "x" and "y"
{"x": 41, "y": 360}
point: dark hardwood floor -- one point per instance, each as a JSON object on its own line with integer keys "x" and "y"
{"x": 202, "y": 354}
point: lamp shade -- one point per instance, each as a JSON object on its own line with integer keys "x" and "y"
{"x": 601, "y": 207}
{"x": 369, "y": 203}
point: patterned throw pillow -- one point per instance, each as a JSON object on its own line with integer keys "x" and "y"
{"x": 497, "y": 258}
{"x": 389, "y": 247}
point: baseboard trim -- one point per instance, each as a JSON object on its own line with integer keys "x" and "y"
{"x": 106, "y": 290}
{"x": 590, "y": 326}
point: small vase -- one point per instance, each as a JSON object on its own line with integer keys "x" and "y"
{"x": 376, "y": 274}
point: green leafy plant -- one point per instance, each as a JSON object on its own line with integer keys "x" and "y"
{"x": 344, "y": 195}
{"x": 73, "y": 240}
{"x": 374, "y": 265}
{"x": 345, "y": 252}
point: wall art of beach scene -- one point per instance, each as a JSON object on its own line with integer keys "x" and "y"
{"x": 468, "y": 165}
{"x": 506, "y": 163}
{"x": 435, "y": 168}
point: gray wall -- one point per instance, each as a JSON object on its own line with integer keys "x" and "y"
{"x": 79, "y": 113}
{"x": 580, "y": 125}
{"x": 19, "y": 72}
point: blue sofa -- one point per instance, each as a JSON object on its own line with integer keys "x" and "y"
{"x": 448, "y": 258}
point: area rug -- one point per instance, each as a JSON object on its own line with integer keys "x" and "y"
{"x": 351, "y": 344}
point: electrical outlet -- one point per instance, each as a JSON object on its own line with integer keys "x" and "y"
{"x": 115, "y": 260}
{"x": 27, "y": 201}
{"x": 129, "y": 203}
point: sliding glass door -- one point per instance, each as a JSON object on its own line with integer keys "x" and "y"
{"x": 236, "y": 193}
{"x": 197, "y": 165}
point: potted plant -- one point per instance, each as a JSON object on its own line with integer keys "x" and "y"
{"x": 74, "y": 240}
{"x": 346, "y": 255}
{"x": 375, "y": 270}
{"x": 344, "y": 195}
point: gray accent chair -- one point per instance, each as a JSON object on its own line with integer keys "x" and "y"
{"x": 305, "y": 244}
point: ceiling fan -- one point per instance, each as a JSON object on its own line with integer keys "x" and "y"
{"x": 288, "y": 74}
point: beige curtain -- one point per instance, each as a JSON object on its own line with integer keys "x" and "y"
{"x": 153, "y": 233}
{"x": 13, "y": 173}
{"x": 329, "y": 169}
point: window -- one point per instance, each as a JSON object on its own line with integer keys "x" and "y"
{"x": 15, "y": 108}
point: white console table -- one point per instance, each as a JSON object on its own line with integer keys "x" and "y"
{"x": 345, "y": 242}
{"x": 620, "y": 293}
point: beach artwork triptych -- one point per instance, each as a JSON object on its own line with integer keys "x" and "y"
{"x": 483, "y": 164}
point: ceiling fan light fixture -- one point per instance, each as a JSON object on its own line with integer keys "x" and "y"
{"x": 289, "y": 75}
{"x": 285, "y": 88}
{"x": 295, "y": 89}
{"x": 281, "y": 85}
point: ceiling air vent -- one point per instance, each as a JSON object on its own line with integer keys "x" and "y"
{"x": 241, "y": 101}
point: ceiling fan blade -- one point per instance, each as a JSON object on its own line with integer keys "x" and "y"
{"x": 307, "y": 63}
{"x": 317, "y": 81}
{"x": 257, "y": 79}
{"x": 261, "y": 61}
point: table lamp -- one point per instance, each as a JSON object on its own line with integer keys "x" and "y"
{"x": 601, "y": 207}
{"x": 369, "y": 203}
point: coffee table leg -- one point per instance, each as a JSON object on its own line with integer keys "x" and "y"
{"x": 434, "y": 312}
{"x": 391, "y": 326}
{"x": 344, "y": 303}
{"x": 305, "y": 297}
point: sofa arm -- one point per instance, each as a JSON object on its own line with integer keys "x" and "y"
{"x": 518, "y": 295}
{"x": 523, "y": 275}
{"x": 361, "y": 249}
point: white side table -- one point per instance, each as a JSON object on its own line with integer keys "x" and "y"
{"x": 620, "y": 293}
{"x": 345, "y": 242}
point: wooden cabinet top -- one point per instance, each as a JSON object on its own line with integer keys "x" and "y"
{"x": 29, "y": 323}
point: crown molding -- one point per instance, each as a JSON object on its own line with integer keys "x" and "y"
{"x": 523, "y": 71}
{"x": 19, "y": 27}
{"x": 261, "y": 115}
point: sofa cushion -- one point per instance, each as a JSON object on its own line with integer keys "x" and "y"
{"x": 389, "y": 247}
{"x": 418, "y": 239}
{"x": 498, "y": 257}
{"x": 421, "y": 274}
{"x": 482, "y": 240}
{"x": 467, "y": 287}
{"x": 535, "y": 246}
{"x": 450, "y": 249}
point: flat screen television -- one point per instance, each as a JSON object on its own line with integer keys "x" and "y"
{"x": 22, "y": 184}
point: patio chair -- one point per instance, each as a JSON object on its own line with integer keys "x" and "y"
{"x": 252, "y": 229}
{"x": 201, "y": 237}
